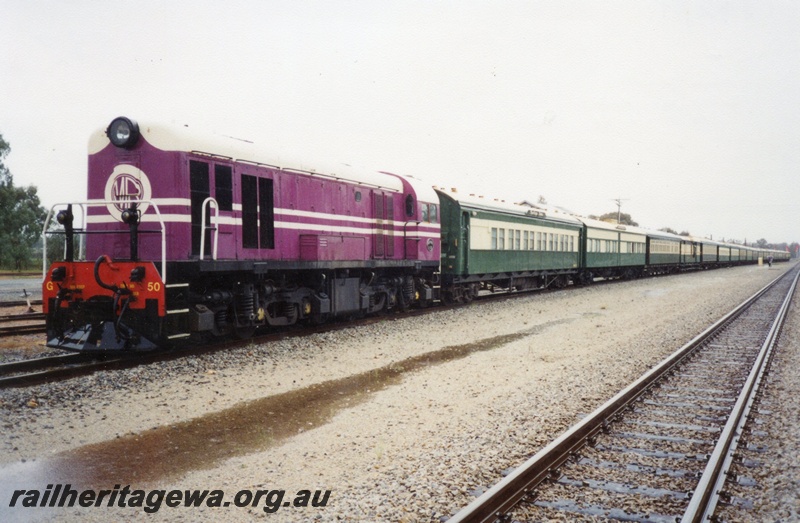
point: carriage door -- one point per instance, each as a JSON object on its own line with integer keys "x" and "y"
{"x": 383, "y": 207}
{"x": 464, "y": 241}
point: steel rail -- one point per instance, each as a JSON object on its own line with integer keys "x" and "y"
{"x": 706, "y": 496}
{"x": 38, "y": 363}
{"x": 26, "y": 316}
{"x": 500, "y": 498}
{"x": 63, "y": 372}
{"x": 19, "y": 330}
{"x": 19, "y": 303}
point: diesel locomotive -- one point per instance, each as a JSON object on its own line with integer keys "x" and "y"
{"x": 186, "y": 236}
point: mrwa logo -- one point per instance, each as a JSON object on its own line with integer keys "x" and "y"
{"x": 127, "y": 185}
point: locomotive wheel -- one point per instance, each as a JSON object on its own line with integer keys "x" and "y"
{"x": 470, "y": 292}
{"x": 319, "y": 319}
{"x": 244, "y": 332}
{"x": 449, "y": 297}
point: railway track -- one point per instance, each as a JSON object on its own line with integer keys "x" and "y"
{"x": 660, "y": 450}
{"x": 19, "y": 303}
{"x": 48, "y": 368}
{"x": 28, "y": 323}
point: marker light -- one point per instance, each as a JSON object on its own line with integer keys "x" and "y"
{"x": 123, "y": 132}
{"x": 130, "y": 216}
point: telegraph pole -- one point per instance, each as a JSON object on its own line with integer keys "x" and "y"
{"x": 619, "y": 206}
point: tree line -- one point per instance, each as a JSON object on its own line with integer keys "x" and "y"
{"x": 21, "y": 217}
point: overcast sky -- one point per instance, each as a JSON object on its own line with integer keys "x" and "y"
{"x": 688, "y": 111}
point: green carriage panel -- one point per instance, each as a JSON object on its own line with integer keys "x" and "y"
{"x": 485, "y": 238}
{"x": 663, "y": 249}
{"x": 613, "y": 246}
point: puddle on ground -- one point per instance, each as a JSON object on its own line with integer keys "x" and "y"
{"x": 253, "y": 426}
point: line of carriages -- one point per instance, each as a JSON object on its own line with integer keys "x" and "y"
{"x": 495, "y": 245}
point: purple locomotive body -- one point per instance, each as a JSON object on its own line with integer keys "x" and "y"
{"x": 239, "y": 240}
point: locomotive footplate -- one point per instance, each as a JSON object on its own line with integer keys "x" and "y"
{"x": 101, "y": 336}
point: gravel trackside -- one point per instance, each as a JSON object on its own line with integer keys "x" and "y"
{"x": 404, "y": 420}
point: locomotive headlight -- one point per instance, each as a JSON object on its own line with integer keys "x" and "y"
{"x": 62, "y": 217}
{"x": 123, "y": 132}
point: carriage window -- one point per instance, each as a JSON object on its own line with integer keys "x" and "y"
{"x": 494, "y": 238}
{"x": 501, "y": 241}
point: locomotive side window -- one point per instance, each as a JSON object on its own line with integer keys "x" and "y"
{"x": 249, "y": 212}
{"x": 424, "y": 209}
{"x": 199, "y": 190}
{"x": 266, "y": 200}
{"x": 434, "y": 213}
{"x": 409, "y": 206}
{"x": 223, "y": 185}
{"x": 258, "y": 213}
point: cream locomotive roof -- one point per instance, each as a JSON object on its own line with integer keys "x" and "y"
{"x": 177, "y": 138}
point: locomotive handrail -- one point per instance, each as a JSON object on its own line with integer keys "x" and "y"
{"x": 98, "y": 203}
{"x": 203, "y": 228}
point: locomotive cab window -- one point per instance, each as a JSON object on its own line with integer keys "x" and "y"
{"x": 409, "y": 206}
{"x": 434, "y": 213}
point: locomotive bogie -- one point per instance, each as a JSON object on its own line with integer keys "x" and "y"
{"x": 239, "y": 305}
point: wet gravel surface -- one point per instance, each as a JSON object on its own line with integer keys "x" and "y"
{"x": 402, "y": 421}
